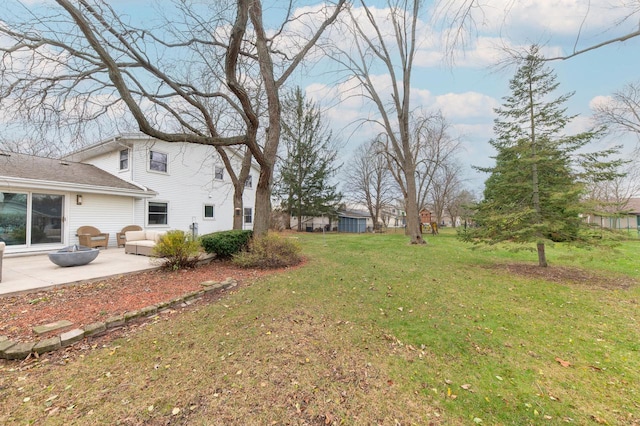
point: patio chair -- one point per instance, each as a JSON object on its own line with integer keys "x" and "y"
{"x": 2, "y": 245}
{"x": 121, "y": 238}
{"x": 90, "y": 236}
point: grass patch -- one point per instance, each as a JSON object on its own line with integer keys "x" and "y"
{"x": 372, "y": 330}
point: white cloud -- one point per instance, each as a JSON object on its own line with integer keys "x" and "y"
{"x": 580, "y": 124}
{"x": 600, "y": 101}
{"x": 566, "y": 17}
{"x": 466, "y": 105}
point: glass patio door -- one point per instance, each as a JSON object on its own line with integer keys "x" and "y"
{"x": 46, "y": 218}
{"x": 13, "y": 218}
{"x": 28, "y": 219}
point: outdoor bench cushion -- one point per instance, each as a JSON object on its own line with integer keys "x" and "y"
{"x": 142, "y": 242}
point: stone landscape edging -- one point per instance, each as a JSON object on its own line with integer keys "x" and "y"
{"x": 12, "y": 350}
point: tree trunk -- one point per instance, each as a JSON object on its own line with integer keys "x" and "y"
{"x": 238, "y": 206}
{"x": 263, "y": 201}
{"x": 413, "y": 215}
{"x": 542, "y": 257}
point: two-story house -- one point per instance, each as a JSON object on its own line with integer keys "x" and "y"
{"x": 130, "y": 179}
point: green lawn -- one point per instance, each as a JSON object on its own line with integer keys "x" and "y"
{"x": 371, "y": 330}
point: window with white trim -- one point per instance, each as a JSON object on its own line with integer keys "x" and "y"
{"x": 209, "y": 211}
{"x": 158, "y": 213}
{"x": 249, "y": 182}
{"x": 158, "y": 161}
{"x": 124, "y": 159}
{"x": 248, "y": 215}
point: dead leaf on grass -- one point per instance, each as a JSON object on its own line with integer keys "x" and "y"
{"x": 563, "y": 362}
{"x": 599, "y": 420}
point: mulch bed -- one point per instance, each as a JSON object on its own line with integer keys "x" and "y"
{"x": 98, "y": 300}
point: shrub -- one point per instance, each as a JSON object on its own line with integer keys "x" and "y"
{"x": 178, "y": 249}
{"x": 269, "y": 251}
{"x": 225, "y": 244}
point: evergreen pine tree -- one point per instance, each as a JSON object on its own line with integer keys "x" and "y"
{"x": 533, "y": 193}
{"x": 303, "y": 182}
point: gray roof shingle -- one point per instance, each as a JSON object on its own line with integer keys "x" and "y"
{"x": 633, "y": 205}
{"x": 24, "y": 166}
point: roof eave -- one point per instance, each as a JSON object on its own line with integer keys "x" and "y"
{"x": 21, "y": 183}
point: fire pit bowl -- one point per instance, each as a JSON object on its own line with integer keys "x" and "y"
{"x": 74, "y": 255}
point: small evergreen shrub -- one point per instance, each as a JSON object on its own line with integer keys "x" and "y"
{"x": 178, "y": 249}
{"x": 225, "y": 244}
{"x": 269, "y": 251}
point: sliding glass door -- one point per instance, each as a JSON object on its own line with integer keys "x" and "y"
{"x": 31, "y": 219}
{"x": 46, "y": 218}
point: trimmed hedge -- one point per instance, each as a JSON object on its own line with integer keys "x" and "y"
{"x": 225, "y": 244}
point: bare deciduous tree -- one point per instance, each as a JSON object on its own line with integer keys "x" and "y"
{"x": 611, "y": 196}
{"x": 388, "y": 43}
{"x": 460, "y": 206}
{"x": 622, "y": 112}
{"x": 446, "y": 185}
{"x": 435, "y": 150}
{"x": 368, "y": 181}
{"x": 86, "y": 56}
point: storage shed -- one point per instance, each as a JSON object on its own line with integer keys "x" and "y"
{"x": 353, "y": 221}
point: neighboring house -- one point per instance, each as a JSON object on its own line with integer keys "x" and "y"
{"x": 394, "y": 217}
{"x": 313, "y": 223}
{"x": 106, "y": 185}
{"x": 629, "y": 220}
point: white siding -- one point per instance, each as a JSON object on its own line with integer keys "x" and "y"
{"x": 187, "y": 186}
{"x": 110, "y": 162}
{"x": 106, "y": 212}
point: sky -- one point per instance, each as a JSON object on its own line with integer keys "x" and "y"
{"x": 467, "y": 88}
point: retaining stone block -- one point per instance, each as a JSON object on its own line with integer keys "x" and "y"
{"x": 148, "y": 310}
{"x": 192, "y": 295}
{"x": 162, "y": 305}
{"x": 130, "y": 316}
{"x": 47, "y": 345}
{"x": 229, "y": 284}
{"x": 4, "y": 345}
{"x": 19, "y": 350}
{"x": 94, "y": 328}
{"x": 176, "y": 301}
{"x": 70, "y": 337}
{"x": 42, "y": 329}
{"x": 114, "y": 321}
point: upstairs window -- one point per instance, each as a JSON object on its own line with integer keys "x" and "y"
{"x": 249, "y": 182}
{"x": 218, "y": 172}
{"x": 157, "y": 161}
{"x": 124, "y": 159}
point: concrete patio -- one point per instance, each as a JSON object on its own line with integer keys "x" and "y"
{"x": 25, "y": 274}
